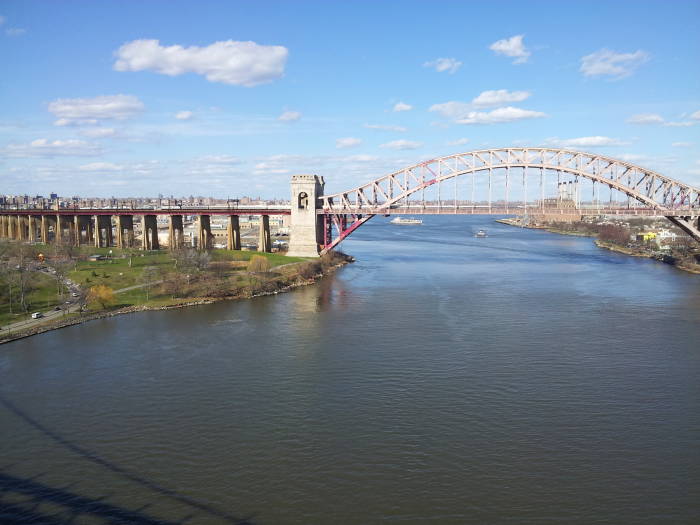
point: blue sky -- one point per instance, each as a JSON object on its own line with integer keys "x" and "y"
{"x": 136, "y": 98}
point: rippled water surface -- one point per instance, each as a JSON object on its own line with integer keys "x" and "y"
{"x": 522, "y": 378}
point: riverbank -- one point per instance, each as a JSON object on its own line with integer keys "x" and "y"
{"x": 516, "y": 222}
{"x": 607, "y": 245}
{"x": 695, "y": 269}
{"x": 281, "y": 279}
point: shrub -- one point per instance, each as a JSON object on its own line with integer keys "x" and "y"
{"x": 258, "y": 264}
{"x": 101, "y": 294}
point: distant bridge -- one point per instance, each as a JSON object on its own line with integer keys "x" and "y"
{"x": 506, "y": 181}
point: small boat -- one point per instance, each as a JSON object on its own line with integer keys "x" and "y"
{"x": 481, "y": 233}
{"x": 401, "y": 220}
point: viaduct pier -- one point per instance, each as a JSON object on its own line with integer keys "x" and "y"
{"x": 116, "y": 226}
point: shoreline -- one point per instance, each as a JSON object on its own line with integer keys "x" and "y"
{"x": 601, "y": 244}
{"x": 64, "y": 323}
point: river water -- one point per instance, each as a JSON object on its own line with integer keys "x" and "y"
{"x": 522, "y": 378}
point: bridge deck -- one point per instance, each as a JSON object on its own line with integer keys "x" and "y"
{"x": 509, "y": 210}
{"x": 462, "y": 209}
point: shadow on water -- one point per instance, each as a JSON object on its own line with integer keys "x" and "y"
{"x": 21, "y": 500}
{"x": 82, "y": 505}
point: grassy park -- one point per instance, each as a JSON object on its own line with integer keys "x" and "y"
{"x": 32, "y": 276}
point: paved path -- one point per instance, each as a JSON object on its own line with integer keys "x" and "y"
{"x": 31, "y": 323}
{"x": 51, "y": 314}
{"x": 134, "y": 287}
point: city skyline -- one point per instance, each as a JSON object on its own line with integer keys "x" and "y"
{"x": 230, "y": 99}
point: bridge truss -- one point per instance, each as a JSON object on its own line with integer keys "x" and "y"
{"x": 542, "y": 181}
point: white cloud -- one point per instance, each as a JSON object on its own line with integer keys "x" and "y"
{"x": 383, "y": 127}
{"x": 402, "y": 145}
{"x": 458, "y": 142}
{"x": 230, "y": 62}
{"x": 270, "y": 168}
{"x": 681, "y": 124}
{"x": 289, "y": 116}
{"x": 347, "y": 142}
{"x": 646, "y": 118}
{"x": 444, "y": 64}
{"x": 98, "y": 133}
{"x": 616, "y": 65}
{"x": 75, "y": 122}
{"x": 101, "y": 166}
{"x": 499, "y": 97}
{"x": 47, "y": 148}
{"x": 452, "y": 109}
{"x": 653, "y": 118}
{"x": 219, "y": 159}
{"x": 682, "y": 144}
{"x": 583, "y": 142}
{"x": 512, "y": 47}
{"x": 77, "y": 111}
{"x": 213, "y": 169}
{"x": 695, "y": 115}
{"x": 401, "y": 106}
{"x": 359, "y": 158}
{"x": 460, "y": 113}
{"x": 2, "y": 20}
{"x": 15, "y": 31}
{"x": 184, "y": 115}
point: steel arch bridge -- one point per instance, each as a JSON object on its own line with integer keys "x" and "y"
{"x": 497, "y": 171}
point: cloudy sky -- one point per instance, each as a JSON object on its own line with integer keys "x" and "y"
{"x": 229, "y": 98}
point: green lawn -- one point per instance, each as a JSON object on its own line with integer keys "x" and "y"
{"x": 42, "y": 297}
{"x": 116, "y": 273}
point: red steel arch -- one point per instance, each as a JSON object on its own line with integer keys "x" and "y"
{"x": 660, "y": 195}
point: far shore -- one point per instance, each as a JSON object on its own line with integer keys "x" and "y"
{"x": 632, "y": 252}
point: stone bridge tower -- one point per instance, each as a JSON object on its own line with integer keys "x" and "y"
{"x": 305, "y": 232}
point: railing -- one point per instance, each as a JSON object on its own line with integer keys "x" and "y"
{"x": 481, "y": 209}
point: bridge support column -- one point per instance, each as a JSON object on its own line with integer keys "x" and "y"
{"x": 306, "y": 231}
{"x": 11, "y": 227}
{"x": 70, "y": 226}
{"x": 3, "y": 226}
{"x": 109, "y": 232}
{"x": 84, "y": 225}
{"x": 44, "y": 229}
{"x": 204, "y": 236}
{"x": 176, "y": 232}
{"x": 21, "y": 228}
{"x": 77, "y": 233}
{"x": 103, "y": 231}
{"x": 125, "y": 231}
{"x": 264, "y": 239}
{"x": 150, "y": 232}
{"x": 234, "y": 233}
{"x": 58, "y": 230}
{"x": 31, "y": 223}
{"x": 97, "y": 234}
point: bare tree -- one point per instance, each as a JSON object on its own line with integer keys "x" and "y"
{"x": 149, "y": 277}
{"x": 191, "y": 259}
